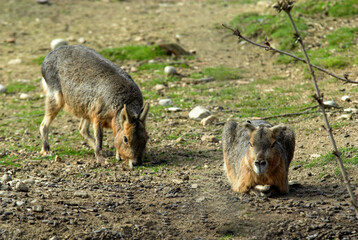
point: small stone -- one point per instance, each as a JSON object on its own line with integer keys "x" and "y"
{"x": 179, "y": 140}
{"x": 81, "y": 40}
{"x": 42, "y": 1}
{"x": 352, "y": 110}
{"x": 345, "y": 117}
{"x": 207, "y": 79}
{"x": 177, "y": 181}
{"x": 29, "y": 181}
{"x": 194, "y": 186}
{"x": 199, "y": 112}
{"x": 58, "y": 43}
{"x": 6, "y": 178}
{"x": 20, "y": 203}
{"x": 21, "y": 187}
{"x": 2, "y": 88}
{"x": 170, "y": 71}
{"x": 210, "y": 138}
{"x": 346, "y": 98}
{"x": 15, "y": 61}
{"x": 38, "y": 208}
{"x": 25, "y": 96}
{"x": 208, "y": 120}
{"x": 165, "y": 102}
{"x": 54, "y": 238}
{"x": 134, "y": 69}
{"x": 159, "y": 87}
{"x": 11, "y": 40}
{"x": 81, "y": 194}
{"x": 174, "y": 109}
{"x": 315, "y": 155}
{"x": 330, "y": 103}
{"x": 200, "y": 199}
{"x": 296, "y": 167}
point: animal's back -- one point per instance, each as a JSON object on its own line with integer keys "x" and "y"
{"x": 89, "y": 83}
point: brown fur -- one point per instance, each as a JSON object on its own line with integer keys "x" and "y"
{"x": 257, "y": 154}
{"x": 99, "y": 92}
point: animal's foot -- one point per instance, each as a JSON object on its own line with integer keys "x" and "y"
{"x": 264, "y": 191}
{"x": 45, "y": 153}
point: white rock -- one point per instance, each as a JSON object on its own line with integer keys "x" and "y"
{"x": 210, "y": 138}
{"x": 21, "y": 187}
{"x": 174, "y": 109}
{"x": 58, "y": 42}
{"x": 199, "y": 112}
{"x": 177, "y": 181}
{"x": 15, "y": 61}
{"x": 208, "y": 120}
{"x": 200, "y": 199}
{"x": 6, "y": 178}
{"x": 345, "y": 117}
{"x": 81, "y": 40}
{"x": 330, "y": 103}
{"x": 30, "y": 181}
{"x": 20, "y": 203}
{"x": 38, "y": 208}
{"x": 159, "y": 87}
{"x": 2, "y": 88}
{"x": 346, "y": 98}
{"x": 25, "y": 96}
{"x": 194, "y": 186}
{"x": 170, "y": 71}
{"x": 352, "y": 110}
{"x": 165, "y": 102}
{"x": 81, "y": 194}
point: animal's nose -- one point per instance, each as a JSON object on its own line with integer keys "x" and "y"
{"x": 260, "y": 163}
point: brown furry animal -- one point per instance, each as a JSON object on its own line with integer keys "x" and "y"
{"x": 257, "y": 153}
{"x": 99, "y": 92}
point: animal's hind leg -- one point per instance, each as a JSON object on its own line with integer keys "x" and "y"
{"x": 54, "y": 103}
{"x": 84, "y": 131}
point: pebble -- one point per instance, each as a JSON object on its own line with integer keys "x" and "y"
{"x": 58, "y": 43}
{"x": 210, "y": 138}
{"x": 177, "y": 181}
{"x": 170, "y": 71}
{"x": 6, "y": 178}
{"x": 20, "y": 203}
{"x": 38, "y": 208}
{"x": 200, "y": 199}
{"x": 2, "y": 88}
{"x": 42, "y": 1}
{"x": 54, "y": 238}
{"x": 81, "y": 194}
{"x": 11, "y": 40}
{"x": 345, "y": 117}
{"x": 174, "y": 109}
{"x": 81, "y": 40}
{"x": 21, "y": 187}
{"x": 165, "y": 102}
{"x": 352, "y": 110}
{"x": 194, "y": 186}
{"x": 346, "y": 98}
{"x": 208, "y": 120}
{"x": 15, "y": 61}
{"x": 29, "y": 181}
{"x": 199, "y": 112}
{"x": 330, "y": 103}
{"x": 159, "y": 87}
{"x": 207, "y": 79}
{"x": 25, "y": 96}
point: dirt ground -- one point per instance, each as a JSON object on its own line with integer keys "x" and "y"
{"x": 183, "y": 193}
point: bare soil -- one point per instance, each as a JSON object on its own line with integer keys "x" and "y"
{"x": 183, "y": 193}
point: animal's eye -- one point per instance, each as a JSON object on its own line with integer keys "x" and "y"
{"x": 250, "y": 144}
{"x": 125, "y": 139}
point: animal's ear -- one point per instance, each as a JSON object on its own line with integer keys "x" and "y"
{"x": 277, "y": 129}
{"x": 249, "y": 126}
{"x": 125, "y": 116}
{"x": 144, "y": 112}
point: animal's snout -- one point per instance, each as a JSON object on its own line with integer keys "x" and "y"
{"x": 260, "y": 166}
{"x": 260, "y": 163}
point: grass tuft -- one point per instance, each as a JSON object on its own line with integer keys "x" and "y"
{"x": 138, "y": 53}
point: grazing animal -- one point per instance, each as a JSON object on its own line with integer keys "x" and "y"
{"x": 99, "y": 92}
{"x": 257, "y": 153}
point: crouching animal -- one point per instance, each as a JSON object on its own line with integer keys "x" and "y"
{"x": 99, "y": 92}
{"x": 257, "y": 155}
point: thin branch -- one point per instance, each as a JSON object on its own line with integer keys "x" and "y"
{"x": 288, "y": 114}
{"x": 286, "y": 7}
{"x": 268, "y": 47}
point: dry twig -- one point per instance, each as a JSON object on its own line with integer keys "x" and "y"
{"x": 268, "y": 47}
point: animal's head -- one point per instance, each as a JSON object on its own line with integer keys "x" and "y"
{"x": 262, "y": 147}
{"x": 131, "y": 139}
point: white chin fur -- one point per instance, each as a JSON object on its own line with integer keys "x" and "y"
{"x": 130, "y": 164}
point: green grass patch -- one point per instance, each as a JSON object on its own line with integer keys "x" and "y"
{"x": 152, "y": 168}
{"x": 349, "y": 156}
{"x": 276, "y": 28}
{"x": 39, "y": 60}
{"x": 343, "y": 38}
{"x": 10, "y": 161}
{"x": 20, "y": 87}
{"x": 138, "y": 53}
{"x": 337, "y": 8}
{"x": 219, "y": 73}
